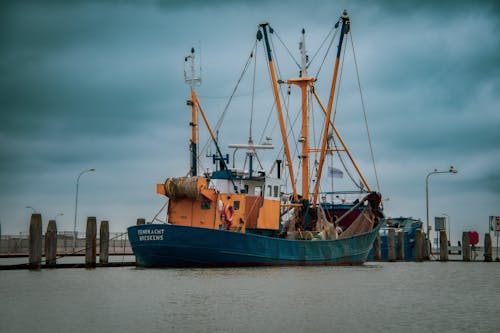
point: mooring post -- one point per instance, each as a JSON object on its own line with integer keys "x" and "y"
{"x": 90, "y": 242}
{"x": 51, "y": 243}
{"x": 391, "y": 245}
{"x": 419, "y": 245}
{"x": 488, "y": 249}
{"x": 104, "y": 242}
{"x": 35, "y": 241}
{"x": 376, "y": 248}
{"x": 465, "y": 246}
{"x": 141, "y": 221}
{"x": 443, "y": 246}
{"x": 401, "y": 245}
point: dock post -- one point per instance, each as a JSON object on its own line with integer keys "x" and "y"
{"x": 35, "y": 241}
{"x": 401, "y": 245}
{"x": 90, "y": 242}
{"x": 419, "y": 245}
{"x": 443, "y": 246}
{"x": 488, "y": 250}
{"x": 376, "y": 248}
{"x": 391, "y": 245}
{"x": 104, "y": 242}
{"x": 141, "y": 221}
{"x": 465, "y": 246}
{"x": 51, "y": 243}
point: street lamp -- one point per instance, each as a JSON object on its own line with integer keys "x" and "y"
{"x": 55, "y": 217}
{"x": 448, "y": 219}
{"x": 76, "y": 205}
{"x": 33, "y": 209}
{"x": 451, "y": 170}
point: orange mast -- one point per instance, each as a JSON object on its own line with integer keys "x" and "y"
{"x": 304, "y": 83}
{"x": 344, "y": 30}
{"x": 278, "y": 107}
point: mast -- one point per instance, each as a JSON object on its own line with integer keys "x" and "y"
{"x": 191, "y": 79}
{"x": 343, "y": 31}
{"x": 272, "y": 73}
{"x": 304, "y": 84}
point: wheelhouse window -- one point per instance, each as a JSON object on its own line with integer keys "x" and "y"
{"x": 276, "y": 191}
{"x": 205, "y": 205}
{"x": 236, "y": 205}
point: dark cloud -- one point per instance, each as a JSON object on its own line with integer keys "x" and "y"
{"x": 99, "y": 84}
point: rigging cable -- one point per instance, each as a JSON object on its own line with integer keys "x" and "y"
{"x": 364, "y": 113}
{"x": 221, "y": 118}
{"x": 334, "y": 116}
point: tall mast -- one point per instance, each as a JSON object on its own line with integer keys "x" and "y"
{"x": 343, "y": 31}
{"x": 192, "y": 80}
{"x": 304, "y": 84}
{"x": 272, "y": 73}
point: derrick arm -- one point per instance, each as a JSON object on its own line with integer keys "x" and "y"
{"x": 272, "y": 73}
{"x": 344, "y": 30}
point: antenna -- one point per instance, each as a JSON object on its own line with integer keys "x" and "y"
{"x": 190, "y": 76}
{"x": 303, "y": 54}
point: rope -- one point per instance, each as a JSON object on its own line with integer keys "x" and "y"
{"x": 221, "y": 118}
{"x": 286, "y": 48}
{"x": 364, "y": 114}
{"x": 326, "y": 54}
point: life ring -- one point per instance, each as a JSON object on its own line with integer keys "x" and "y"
{"x": 229, "y": 213}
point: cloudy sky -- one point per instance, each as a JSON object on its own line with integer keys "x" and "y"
{"x": 100, "y": 85}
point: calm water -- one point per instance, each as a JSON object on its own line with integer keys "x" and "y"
{"x": 376, "y": 297}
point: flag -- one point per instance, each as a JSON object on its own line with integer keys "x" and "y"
{"x": 335, "y": 173}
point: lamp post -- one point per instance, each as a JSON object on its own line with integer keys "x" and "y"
{"x": 448, "y": 219}
{"x": 76, "y": 205}
{"x": 33, "y": 209}
{"x": 451, "y": 170}
{"x": 55, "y": 217}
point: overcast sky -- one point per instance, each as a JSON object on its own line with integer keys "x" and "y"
{"x": 100, "y": 85}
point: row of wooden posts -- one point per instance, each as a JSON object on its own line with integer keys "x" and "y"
{"x": 397, "y": 252}
{"x": 35, "y": 242}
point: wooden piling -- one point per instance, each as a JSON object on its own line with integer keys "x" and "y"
{"x": 443, "y": 246}
{"x": 90, "y": 242}
{"x": 488, "y": 249}
{"x": 376, "y": 248}
{"x": 141, "y": 221}
{"x": 51, "y": 243}
{"x": 401, "y": 245}
{"x": 465, "y": 246}
{"x": 104, "y": 242}
{"x": 391, "y": 246}
{"x": 35, "y": 241}
{"x": 419, "y": 245}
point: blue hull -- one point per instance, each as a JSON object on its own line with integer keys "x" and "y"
{"x": 170, "y": 245}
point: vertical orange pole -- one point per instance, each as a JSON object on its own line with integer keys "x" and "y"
{"x": 281, "y": 118}
{"x": 344, "y": 30}
{"x": 305, "y": 143}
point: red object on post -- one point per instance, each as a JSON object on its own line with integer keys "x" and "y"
{"x": 473, "y": 237}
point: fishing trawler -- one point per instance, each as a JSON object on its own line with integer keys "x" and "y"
{"x": 250, "y": 217}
